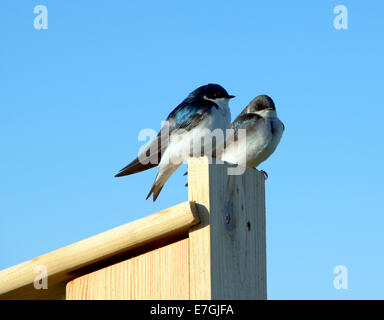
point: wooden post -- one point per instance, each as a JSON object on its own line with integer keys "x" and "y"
{"x": 211, "y": 247}
{"x": 227, "y": 248}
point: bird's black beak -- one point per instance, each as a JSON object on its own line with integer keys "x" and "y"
{"x": 230, "y": 97}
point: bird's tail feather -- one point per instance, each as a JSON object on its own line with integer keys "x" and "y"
{"x": 155, "y": 190}
{"x": 162, "y": 177}
{"x": 134, "y": 167}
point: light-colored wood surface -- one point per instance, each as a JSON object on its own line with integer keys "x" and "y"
{"x": 169, "y": 254}
{"x": 228, "y": 248}
{"x": 199, "y": 237}
{"x": 162, "y": 273}
{"x": 79, "y": 258}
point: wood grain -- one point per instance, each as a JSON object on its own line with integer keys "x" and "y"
{"x": 199, "y": 237}
{"x": 169, "y": 254}
{"x": 158, "y": 274}
{"x": 100, "y": 250}
{"x": 228, "y": 247}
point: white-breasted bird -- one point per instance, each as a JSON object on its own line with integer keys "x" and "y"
{"x": 201, "y": 112}
{"x": 263, "y": 133}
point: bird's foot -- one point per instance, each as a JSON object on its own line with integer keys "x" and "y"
{"x": 265, "y": 174}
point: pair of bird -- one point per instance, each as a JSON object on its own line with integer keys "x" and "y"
{"x": 195, "y": 118}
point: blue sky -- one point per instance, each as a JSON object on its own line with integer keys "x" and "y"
{"x": 74, "y": 97}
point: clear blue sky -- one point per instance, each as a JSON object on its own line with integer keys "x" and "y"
{"x": 74, "y": 97}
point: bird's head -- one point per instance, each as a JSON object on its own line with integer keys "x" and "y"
{"x": 262, "y": 103}
{"x": 215, "y": 91}
{"x": 212, "y": 92}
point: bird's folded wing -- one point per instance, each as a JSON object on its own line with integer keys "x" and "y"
{"x": 189, "y": 115}
{"x": 247, "y": 121}
{"x": 150, "y": 157}
{"x": 185, "y": 116}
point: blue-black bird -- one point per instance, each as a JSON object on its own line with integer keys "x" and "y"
{"x": 201, "y": 112}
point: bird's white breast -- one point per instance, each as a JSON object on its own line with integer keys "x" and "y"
{"x": 261, "y": 141}
{"x": 179, "y": 147}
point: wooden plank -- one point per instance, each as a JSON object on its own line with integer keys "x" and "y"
{"x": 158, "y": 274}
{"x": 98, "y": 251}
{"x": 199, "y": 237}
{"x": 227, "y": 249}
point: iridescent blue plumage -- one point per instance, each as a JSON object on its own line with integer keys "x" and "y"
{"x": 189, "y": 115}
{"x": 190, "y": 112}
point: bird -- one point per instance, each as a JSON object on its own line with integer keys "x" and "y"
{"x": 204, "y": 110}
{"x": 263, "y": 131}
